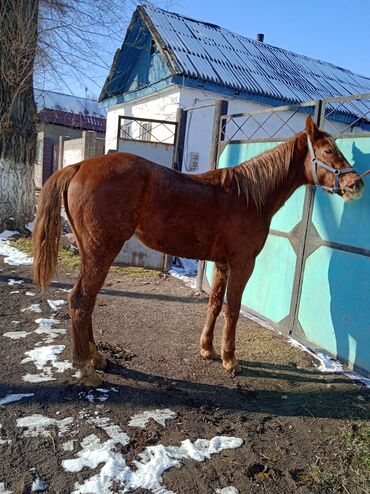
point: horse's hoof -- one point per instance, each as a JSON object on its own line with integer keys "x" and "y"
{"x": 89, "y": 378}
{"x": 99, "y": 361}
{"x": 232, "y": 367}
{"x": 208, "y": 354}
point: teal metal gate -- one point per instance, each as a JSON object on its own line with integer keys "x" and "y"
{"x": 311, "y": 280}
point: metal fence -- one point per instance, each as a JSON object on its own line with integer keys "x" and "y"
{"x": 311, "y": 279}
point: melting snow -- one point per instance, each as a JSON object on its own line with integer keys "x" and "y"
{"x": 3, "y": 489}
{"x": 11, "y": 398}
{"x": 187, "y": 271}
{"x": 38, "y": 485}
{"x": 329, "y": 364}
{"x": 150, "y": 464}
{"x": 33, "y": 308}
{"x": 16, "y": 335}
{"x": 14, "y": 292}
{"x": 37, "y": 425}
{"x": 55, "y": 304}
{"x": 12, "y": 282}
{"x": 68, "y": 446}
{"x": 91, "y": 396}
{"x": 160, "y": 416}
{"x": 4, "y": 441}
{"x": 227, "y": 490}
{"x": 40, "y": 357}
{"x": 13, "y": 256}
{"x": 30, "y": 294}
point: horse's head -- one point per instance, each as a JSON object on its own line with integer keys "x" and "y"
{"x": 326, "y": 166}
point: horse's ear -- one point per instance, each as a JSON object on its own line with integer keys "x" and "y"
{"x": 312, "y": 129}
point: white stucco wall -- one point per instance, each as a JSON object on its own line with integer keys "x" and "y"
{"x": 161, "y": 106}
{"x": 199, "y": 125}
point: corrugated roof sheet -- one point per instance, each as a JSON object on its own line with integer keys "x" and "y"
{"x": 211, "y": 53}
{"x": 65, "y": 102}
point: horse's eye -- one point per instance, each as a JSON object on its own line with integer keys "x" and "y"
{"x": 328, "y": 151}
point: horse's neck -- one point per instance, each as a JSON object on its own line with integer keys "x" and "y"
{"x": 290, "y": 183}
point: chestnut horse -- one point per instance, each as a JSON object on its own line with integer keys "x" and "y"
{"x": 222, "y": 215}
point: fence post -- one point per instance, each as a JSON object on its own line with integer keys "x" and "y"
{"x": 181, "y": 116}
{"x": 221, "y": 108}
{"x": 60, "y": 152}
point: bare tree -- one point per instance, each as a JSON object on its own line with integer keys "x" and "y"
{"x": 68, "y": 40}
{"x": 18, "y": 41}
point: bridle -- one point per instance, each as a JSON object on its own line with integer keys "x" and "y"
{"x": 337, "y": 173}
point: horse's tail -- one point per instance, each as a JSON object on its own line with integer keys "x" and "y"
{"x": 46, "y": 234}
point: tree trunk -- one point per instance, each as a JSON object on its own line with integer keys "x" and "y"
{"x": 18, "y": 40}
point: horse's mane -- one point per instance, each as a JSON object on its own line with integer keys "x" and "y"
{"x": 259, "y": 176}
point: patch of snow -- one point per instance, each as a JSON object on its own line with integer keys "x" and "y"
{"x": 14, "y": 292}
{"x": 15, "y": 322}
{"x": 91, "y": 396}
{"x": 112, "y": 430}
{"x": 186, "y": 271}
{"x": 227, "y": 490}
{"x": 7, "y": 234}
{"x": 11, "y": 398}
{"x": 12, "y": 282}
{"x": 16, "y": 335}
{"x": 32, "y": 308}
{"x": 55, "y": 304}
{"x": 149, "y": 467}
{"x": 68, "y": 446}
{"x": 46, "y": 327}
{"x": 12, "y": 256}
{"x": 328, "y": 364}
{"x": 30, "y": 294}
{"x": 40, "y": 357}
{"x": 38, "y": 485}
{"x": 37, "y": 425}
{"x": 159, "y": 416}
{"x": 30, "y": 226}
{"x": 4, "y": 441}
{"x": 3, "y": 489}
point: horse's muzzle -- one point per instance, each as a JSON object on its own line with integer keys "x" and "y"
{"x": 353, "y": 190}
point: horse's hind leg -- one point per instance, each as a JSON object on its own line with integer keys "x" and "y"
{"x": 94, "y": 269}
{"x": 215, "y": 302}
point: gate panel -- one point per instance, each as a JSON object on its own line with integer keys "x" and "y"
{"x": 312, "y": 277}
{"x": 269, "y": 292}
{"x": 334, "y": 309}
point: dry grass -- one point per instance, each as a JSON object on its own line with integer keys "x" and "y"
{"x": 69, "y": 259}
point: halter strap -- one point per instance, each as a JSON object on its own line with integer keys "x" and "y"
{"x": 316, "y": 163}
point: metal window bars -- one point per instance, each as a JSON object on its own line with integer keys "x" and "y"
{"x": 272, "y": 123}
{"x": 146, "y": 130}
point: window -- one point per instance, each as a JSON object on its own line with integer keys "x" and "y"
{"x": 126, "y": 131}
{"x": 146, "y": 131}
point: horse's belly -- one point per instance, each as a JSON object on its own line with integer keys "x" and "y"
{"x": 178, "y": 243}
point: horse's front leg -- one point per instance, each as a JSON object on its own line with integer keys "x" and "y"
{"x": 215, "y": 302}
{"x": 238, "y": 278}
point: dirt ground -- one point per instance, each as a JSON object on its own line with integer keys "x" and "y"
{"x": 303, "y": 431}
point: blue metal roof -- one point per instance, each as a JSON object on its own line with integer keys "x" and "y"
{"x": 207, "y": 52}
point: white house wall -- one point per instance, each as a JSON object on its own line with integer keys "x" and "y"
{"x": 160, "y": 106}
{"x": 199, "y": 126}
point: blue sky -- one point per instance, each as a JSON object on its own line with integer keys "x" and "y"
{"x": 336, "y": 31}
